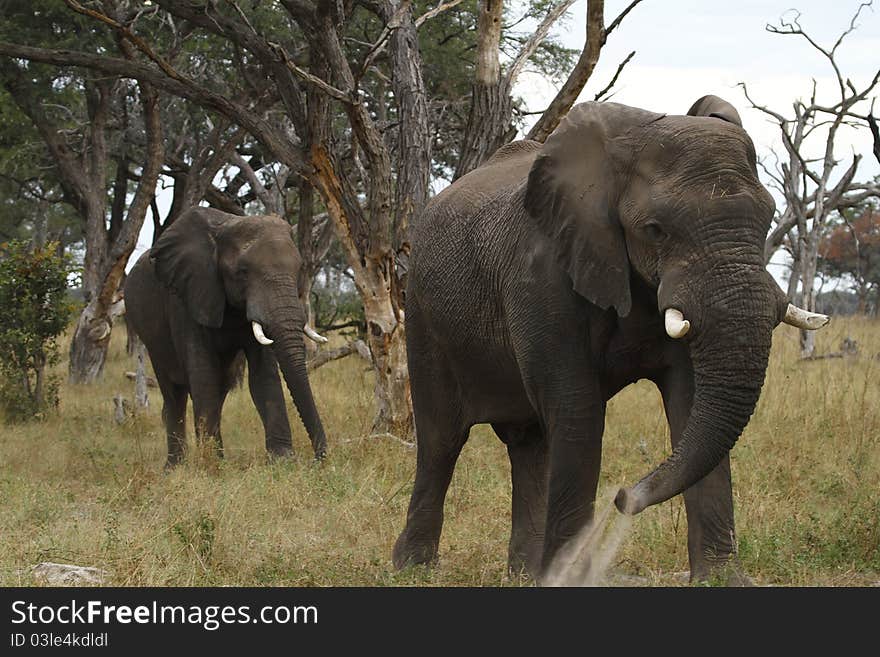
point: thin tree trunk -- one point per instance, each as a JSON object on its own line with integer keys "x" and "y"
{"x": 489, "y": 123}
{"x": 578, "y": 78}
{"x": 40, "y": 366}
{"x": 141, "y": 398}
{"x": 808, "y": 298}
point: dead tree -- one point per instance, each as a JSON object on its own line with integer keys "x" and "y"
{"x": 811, "y": 198}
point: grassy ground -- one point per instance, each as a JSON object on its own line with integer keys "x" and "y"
{"x": 78, "y": 488}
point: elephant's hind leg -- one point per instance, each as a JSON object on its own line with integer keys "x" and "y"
{"x": 527, "y": 450}
{"x": 438, "y": 448}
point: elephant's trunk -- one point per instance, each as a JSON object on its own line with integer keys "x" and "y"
{"x": 729, "y": 352}
{"x": 283, "y": 319}
{"x": 290, "y": 352}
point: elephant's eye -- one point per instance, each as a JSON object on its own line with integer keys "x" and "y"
{"x": 654, "y": 231}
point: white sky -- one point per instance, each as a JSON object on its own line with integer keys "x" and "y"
{"x": 688, "y": 48}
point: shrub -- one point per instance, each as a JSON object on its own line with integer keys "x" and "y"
{"x": 34, "y": 310}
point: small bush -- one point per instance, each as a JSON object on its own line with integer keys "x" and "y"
{"x": 34, "y": 310}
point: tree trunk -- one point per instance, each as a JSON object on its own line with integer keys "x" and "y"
{"x": 578, "y": 78}
{"x": 141, "y": 398}
{"x": 104, "y": 262}
{"x": 91, "y": 338}
{"x": 489, "y": 123}
{"x": 808, "y": 297}
{"x": 387, "y": 340}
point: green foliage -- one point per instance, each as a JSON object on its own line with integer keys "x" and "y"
{"x": 33, "y": 296}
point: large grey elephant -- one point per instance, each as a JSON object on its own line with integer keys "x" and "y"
{"x": 628, "y": 246}
{"x": 215, "y": 285}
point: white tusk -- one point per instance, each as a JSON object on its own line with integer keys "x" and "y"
{"x": 259, "y": 335}
{"x": 309, "y": 331}
{"x": 676, "y": 325}
{"x": 804, "y": 319}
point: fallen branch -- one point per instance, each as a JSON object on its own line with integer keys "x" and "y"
{"x": 354, "y": 347}
{"x": 151, "y": 382}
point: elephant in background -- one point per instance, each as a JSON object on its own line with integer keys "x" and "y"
{"x": 213, "y": 286}
{"x": 628, "y": 246}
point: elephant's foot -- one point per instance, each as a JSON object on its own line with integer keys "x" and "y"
{"x": 173, "y": 461}
{"x": 524, "y": 561}
{"x": 720, "y": 572}
{"x": 279, "y": 452}
{"x": 409, "y": 552}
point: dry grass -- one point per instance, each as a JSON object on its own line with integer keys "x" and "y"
{"x": 78, "y": 488}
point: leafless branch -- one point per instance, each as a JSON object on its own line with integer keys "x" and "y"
{"x": 872, "y": 123}
{"x": 617, "y": 21}
{"x": 535, "y": 40}
{"x": 439, "y": 9}
{"x": 599, "y": 96}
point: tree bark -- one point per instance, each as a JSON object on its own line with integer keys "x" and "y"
{"x": 489, "y": 123}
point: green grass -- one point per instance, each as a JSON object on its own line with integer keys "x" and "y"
{"x": 78, "y": 488}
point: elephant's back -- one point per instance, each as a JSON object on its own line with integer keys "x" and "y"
{"x": 465, "y": 230}
{"x": 487, "y": 186}
{"x": 464, "y": 242}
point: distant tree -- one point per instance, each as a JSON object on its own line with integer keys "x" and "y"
{"x": 814, "y": 188}
{"x": 33, "y": 296}
{"x": 852, "y": 249}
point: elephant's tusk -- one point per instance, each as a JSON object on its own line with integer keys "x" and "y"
{"x": 804, "y": 319}
{"x": 309, "y": 331}
{"x": 676, "y": 325}
{"x": 259, "y": 335}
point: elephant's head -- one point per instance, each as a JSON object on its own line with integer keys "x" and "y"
{"x": 675, "y": 201}
{"x": 220, "y": 264}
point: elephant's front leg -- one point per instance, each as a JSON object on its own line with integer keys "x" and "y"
{"x": 265, "y": 387}
{"x": 712, "y": 545}
{"x": 575, "y": 442}
{"x": 208, "y": 392}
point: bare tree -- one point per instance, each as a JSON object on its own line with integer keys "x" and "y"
{"x": 811, "y": 195}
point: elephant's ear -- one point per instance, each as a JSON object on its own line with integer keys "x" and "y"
{"x": 185, "y": 259}
{"x": 717, "y": 108}
{"x": 572, "y": 194}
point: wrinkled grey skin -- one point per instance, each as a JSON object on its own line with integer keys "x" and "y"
{"x": 537, "y": 290}
{"x": 192, "y": 298}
